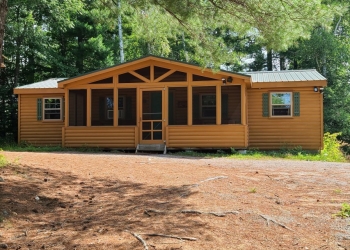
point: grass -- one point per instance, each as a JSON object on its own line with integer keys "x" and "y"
{"x": 344, "y": 212}
{"x": 26, "y": 147}
{"x": 338, "y": 191}
{"x": 3, "y": 161}
{"x": 252, "y": 190}
{"x": 330, "y": 153}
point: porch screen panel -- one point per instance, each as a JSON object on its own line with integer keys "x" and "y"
{"x": 127, "y": 107}
{"x": 102, "y": 107}
{"x": 177, "y": 106}
{"x": 231, "y": 104}
{"x": 204, "y": 105}
{"x": 77, "y": 107}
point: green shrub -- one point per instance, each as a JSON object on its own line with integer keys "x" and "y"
{"x": 331, "y": 148}
{"x": 233, "y": 151}
{"x": 344, "y": 212}
{"x": 3, "y": 161}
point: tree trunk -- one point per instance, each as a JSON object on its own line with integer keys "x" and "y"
{"x": 269, "y": 60}
{"x": 18, "y": 54}
{"x": 282, "y": 62}
{"x": 3, "y": 13}
{"x": 79, "y": 63}
{"x": 120, "y": 33}
{"x": 295, "y": 62}
{"x": 184, "y": 46}
{"x": 31, "y": 66}
{"x": 17, "y": 64}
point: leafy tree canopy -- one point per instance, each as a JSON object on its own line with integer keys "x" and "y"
{"x": 276, "y": 24}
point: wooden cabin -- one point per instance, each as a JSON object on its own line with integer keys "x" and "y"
{"x": 160, "y": 102}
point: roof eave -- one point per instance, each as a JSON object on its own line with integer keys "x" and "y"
{"x": 18, "y": 91}
{"x": 62, "y": 83}
{"x": 261, "y": 85}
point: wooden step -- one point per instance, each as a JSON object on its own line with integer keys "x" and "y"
{"x": 151, "y": 148}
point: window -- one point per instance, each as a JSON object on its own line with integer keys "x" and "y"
{"x": 109, "y": 107}
{"x": 52, "y": 108}
{"x": 281, "y": 104}
{"x": 208, "y": 105}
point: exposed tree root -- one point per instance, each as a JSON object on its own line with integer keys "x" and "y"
{"x": 218, "y": 214}
{"x": 268, "y": 219}
{"x": 210, "y": 179}
{"x": 171, "y": 236}
{"x": 214, "y": 178}
{"x": 139, "y": 238}
{"x": 145, "y": 247}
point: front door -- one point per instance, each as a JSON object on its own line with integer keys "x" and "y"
{"x": 151, "y": 116}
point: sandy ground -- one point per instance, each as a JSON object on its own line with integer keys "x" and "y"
{"x": 108, "y": 201}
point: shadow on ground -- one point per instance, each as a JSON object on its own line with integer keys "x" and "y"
{"x": 57, "y": 210}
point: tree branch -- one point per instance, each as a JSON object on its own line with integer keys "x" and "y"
{"x": 171, "y": 236}
{"x": 139, "y": 238}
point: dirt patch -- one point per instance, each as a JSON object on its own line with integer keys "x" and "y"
{"x": 115, "y": 201}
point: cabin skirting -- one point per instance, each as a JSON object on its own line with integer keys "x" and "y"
{"x": 201, "y": 136}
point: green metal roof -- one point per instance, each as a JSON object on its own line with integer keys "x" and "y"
{"x": 47, "y": 84}
{"x": 259, "y": 76}
{"x": 286, "y": 76}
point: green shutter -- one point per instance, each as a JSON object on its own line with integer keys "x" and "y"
{"x": 39, "y": 108}
{"x": 128, "y": 108}
{"x": 63, "y": 106}
{"x": 224, "y": 106}
{"x": 195, "y": 107}
{"x": 296, "y": 103}
{"x": 265, "y": 104}
{"x": 171, "y": 108}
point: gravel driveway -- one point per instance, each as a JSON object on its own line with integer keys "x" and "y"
{"x": 127, "y": 201}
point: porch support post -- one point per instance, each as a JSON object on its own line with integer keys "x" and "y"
{"x": 165, "y": 112}
{"x": 189, "y": 105}
{"x": 218, "y": 104}
{"x": 243, "y": 105}
{"x": 66, "y": 108}
{"x": 88, "y": 108}
{"x": 138, "y": 105}
{"x": 116, "y": 108}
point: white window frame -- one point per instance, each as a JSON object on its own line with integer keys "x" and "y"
{"x": 109, "y": 111}
{"x": 121, "y": 108}
{"x": 209, "y": 106}
{"x": 291, "y": 104}
{"x": 45, "y": 109}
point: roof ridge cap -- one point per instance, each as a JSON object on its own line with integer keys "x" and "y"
{"x": 277, "y": 71}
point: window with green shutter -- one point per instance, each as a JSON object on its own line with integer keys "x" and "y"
{"x": 281, "y": 104}
{"x": 52, "y": 109}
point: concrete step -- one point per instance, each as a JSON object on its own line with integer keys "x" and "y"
{"x": 151, "y": 148}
